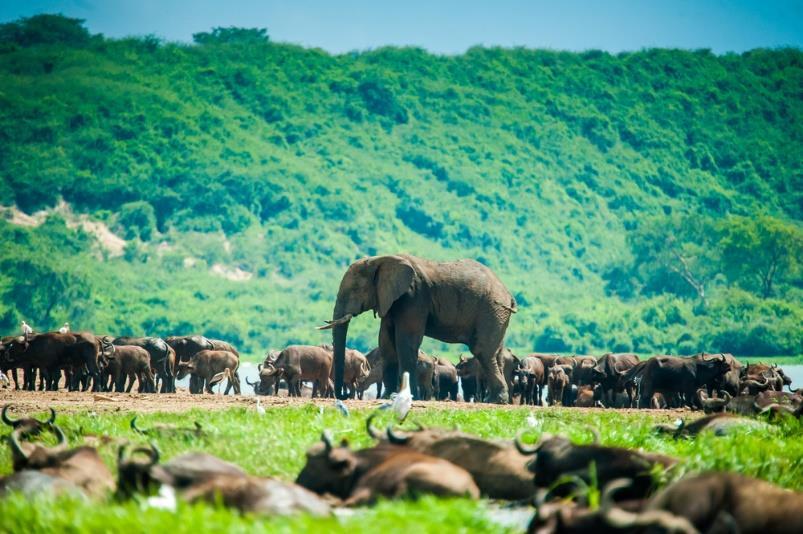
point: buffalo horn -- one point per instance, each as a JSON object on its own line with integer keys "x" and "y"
{"x": 60, "y": 434}
{"x": 397, "y": 439}
{"x": 372, "y": 431}
{"x": 331, "y": 324}
{"x": 594, "y": 433}
{"x": 134, "y": 426}
{"x": 16, "y": 448}
{"x": 522, "y": 448}
{"x": 52, "y": 418}
{"x": 326, "y": 437}
{"x": 6, "y": 419}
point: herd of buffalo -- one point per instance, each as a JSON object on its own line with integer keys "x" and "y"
{"x": 713, "y": 382}
{"x": 554, "y": 475}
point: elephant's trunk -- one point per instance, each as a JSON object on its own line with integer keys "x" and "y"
{"x": 339, "y": 334}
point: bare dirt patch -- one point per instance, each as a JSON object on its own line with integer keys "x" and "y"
{"x": 65, "y": 401}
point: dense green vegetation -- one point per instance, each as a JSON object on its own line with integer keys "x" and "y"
{"x": 645, "y": 201}
{"x": 274, "y": 445}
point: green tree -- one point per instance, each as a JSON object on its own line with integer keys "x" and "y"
{"x": 231, "y": 35}
{"x": 676, "y": 254}
{"x": 759, "y": 252}
{"x": 45, "y": 29}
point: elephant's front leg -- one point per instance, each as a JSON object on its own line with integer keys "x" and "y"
{"x": 390, "y": 360}
{"x": 408, "y": 341}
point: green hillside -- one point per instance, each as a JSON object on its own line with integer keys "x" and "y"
{"x": 646, "y": 201}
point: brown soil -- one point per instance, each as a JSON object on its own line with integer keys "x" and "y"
{"x": 64, "y": 401}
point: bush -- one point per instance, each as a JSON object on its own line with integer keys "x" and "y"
{"x": 137, "y": 220}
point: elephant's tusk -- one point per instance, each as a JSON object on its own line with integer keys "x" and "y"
{"x": 331, "y": 324}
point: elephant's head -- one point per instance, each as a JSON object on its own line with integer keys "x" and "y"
{"x": 373, "y": 283}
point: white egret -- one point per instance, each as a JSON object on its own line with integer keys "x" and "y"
{"x": 341, "y": 407}
{"x": 26, "y": 329}
{"x": 260, "y": 409}
{"x": 64, "y": 329}
{"x": 403, "y": 400}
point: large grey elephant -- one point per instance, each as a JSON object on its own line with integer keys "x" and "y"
{"x": 455, "y": 302}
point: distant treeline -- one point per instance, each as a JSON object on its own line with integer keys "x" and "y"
{"x": 647, "y": 201}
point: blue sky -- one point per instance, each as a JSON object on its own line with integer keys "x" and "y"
{"x": 450, "y": 26}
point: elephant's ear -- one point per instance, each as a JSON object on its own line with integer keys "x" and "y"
{"x": 393, "y": 279}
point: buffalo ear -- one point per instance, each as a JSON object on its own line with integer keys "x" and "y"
{"x": 394, "y": 278}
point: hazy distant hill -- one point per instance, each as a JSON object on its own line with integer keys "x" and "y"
{"x": 646, "y": 201}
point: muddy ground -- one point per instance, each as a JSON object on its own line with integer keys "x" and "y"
{"x": 65, "y": 401}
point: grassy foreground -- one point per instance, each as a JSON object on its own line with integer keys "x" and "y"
{"x": 274, "y": 445}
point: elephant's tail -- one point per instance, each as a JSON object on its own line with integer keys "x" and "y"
{"x": 512, "y": 307}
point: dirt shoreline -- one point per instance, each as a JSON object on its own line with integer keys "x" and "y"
{"x": 66, "y": 401}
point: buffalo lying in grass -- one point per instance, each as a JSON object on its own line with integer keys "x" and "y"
{"x": 28, "y": 426}
{"x": 498, "y": 469}
{"x": 81, "y": 466}
{"x": 200, "y": 477}
{"x": 720, "y": 424}
{"x": 386, "y": 470}
{"x": 559, "y": 465}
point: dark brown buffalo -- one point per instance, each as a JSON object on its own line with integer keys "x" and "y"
{"x": 497, "y": 467}
{"x": 163, "y": 358}
{"x": 356, "y": 370}
{"x": 558, "y": 389}
{"x": 586, "y": 397}
{"x": 558, "y": 462}
{"x": 583, "y": 370}
{"x": 532, "y": 375}
{"x": 716, "y": 404}
{"x": 560, "y": 517}
{"x": 185, "y": 348}
{"x": 28, "y": 426}
{"x": 298, "y": 363}
{"x": 444, "y": 380}
{"x": 610, "y": 373}
{"x": 720, "y": 424}
{"x": 267, "y": 497}
{"x": 81, "y": 466}
{"x": 392, "y": 471}
{"x": 51, "y": 352}
{"x": 771, "y": 372}
{"x": 212, "y": 366}
{"x": 203, "y": 478}
{"x": 374, "y": 375}
{"x": 753, "y": 385}
{"x": 129, "y": 362}
{"x": 218, "y": 344}
{"x": 728, "y": 502}
{"x": 727, "y": 382}
{"x": 425, "y": 370}
{"x": 268, "y": 383}
{"x": 471, "y": 379}
{"x": 682, "y": 376}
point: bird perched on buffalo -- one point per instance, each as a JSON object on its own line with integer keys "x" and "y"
{"x": 65, "y": 328}
{"x": 26, "y": 330}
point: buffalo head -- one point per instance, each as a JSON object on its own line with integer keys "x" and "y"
{"x": 329, "y": 468}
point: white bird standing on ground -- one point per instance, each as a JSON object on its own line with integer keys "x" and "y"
{"x": 64, "y": 329}
{"x": 341, "y": 407}
{"x": 260, "y": 409}
{"x": 532, "y": 422}
{"x": 403, "y": 400}
{"x": 26, "y": 329}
